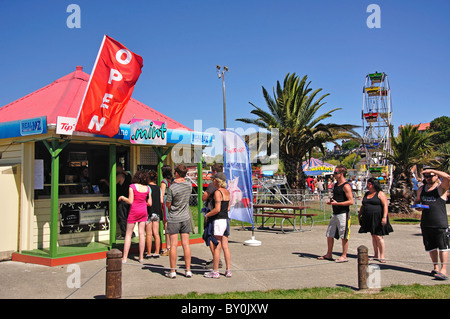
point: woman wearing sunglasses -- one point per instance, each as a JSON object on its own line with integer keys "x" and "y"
{"x": 434, "y": 220}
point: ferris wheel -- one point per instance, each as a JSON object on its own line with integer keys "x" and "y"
{"x": 376, "y": 118}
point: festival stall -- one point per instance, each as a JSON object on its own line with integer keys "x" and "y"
{"x": 58, "y": 185}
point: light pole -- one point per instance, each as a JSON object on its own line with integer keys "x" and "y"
{"x": 221, "y": 74}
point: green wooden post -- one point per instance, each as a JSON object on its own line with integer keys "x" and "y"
{"x": 162, "y": 155}
{"x": 54, "y": 150}
{"x": 199, "y": 195}
{"x": 112, "y": 195}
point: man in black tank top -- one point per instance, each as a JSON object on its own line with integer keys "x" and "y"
{"x": 123, "y": 179}
{"x": 434, "y": 220}
{"x": 339, "y": 226}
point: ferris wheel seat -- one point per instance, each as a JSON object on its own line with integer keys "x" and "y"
{"x": 372, "y": 89}
{"x": 371, "y": 117}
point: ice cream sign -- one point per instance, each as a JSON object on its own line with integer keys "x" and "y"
{"x": 148, "y": 132}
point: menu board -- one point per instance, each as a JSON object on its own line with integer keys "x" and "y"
{"x": 84, "y": 217}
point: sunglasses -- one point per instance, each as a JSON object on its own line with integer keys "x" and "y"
{"x": 337, "y": 173}
{"x": 428, "y": 175}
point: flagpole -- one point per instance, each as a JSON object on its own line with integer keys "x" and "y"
{"x": 90, "y": 77}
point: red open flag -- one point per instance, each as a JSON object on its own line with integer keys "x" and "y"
{"x": 110, "y": 86}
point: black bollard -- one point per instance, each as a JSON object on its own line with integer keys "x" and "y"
{"x": 114, "y": 274}
{"x": 363, "y": 263}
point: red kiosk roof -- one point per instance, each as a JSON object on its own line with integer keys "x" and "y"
{"x": 63, "y": 98}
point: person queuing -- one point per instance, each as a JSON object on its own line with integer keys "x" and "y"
{"x": 123, "y": 182}
{"x": 178, "y": 219}
{"x": 434, "y": 220}
{"x": 219, "y": 214}
{"x": 154, "y": 216}
{"x": 139, "y": 197}
{"x": 165, "y": 184}
{"x": 339, "y": 226}
{"x": 373, "y": 217}
{"x": 208, "y": 198}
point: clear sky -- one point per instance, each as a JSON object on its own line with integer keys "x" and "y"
{"x": 182, "y": 41}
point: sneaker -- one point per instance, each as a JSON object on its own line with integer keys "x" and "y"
{"x": 188, "y": 274}
{"x": 211, "y": 274}
{"x": 228, "y": 274}
{"x": 171, "y": 275}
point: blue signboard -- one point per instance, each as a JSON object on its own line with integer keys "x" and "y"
{"x": 33, "y": 126}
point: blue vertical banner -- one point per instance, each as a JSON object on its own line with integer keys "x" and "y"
{"x": 238, "y": 170}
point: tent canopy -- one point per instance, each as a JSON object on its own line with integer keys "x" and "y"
{"x": 314, "y": 167}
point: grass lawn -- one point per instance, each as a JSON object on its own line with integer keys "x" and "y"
{"x": 393, "y": 292}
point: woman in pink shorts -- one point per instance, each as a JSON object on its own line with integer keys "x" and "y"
{"x": 139, "y": 197}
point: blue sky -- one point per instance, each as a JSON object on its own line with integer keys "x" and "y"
{"x": 260, "y": 41}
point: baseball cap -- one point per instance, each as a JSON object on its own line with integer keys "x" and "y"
{"x": 220, "y": 176}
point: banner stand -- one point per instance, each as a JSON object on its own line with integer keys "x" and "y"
{"x": 253, "y": 241}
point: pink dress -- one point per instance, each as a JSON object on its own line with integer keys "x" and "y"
{"x": 138, "y": 210}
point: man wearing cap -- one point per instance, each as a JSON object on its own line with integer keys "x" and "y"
{"x": 434, "y": 221}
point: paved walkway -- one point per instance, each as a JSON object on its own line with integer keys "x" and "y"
{"x": 283, "y": 261}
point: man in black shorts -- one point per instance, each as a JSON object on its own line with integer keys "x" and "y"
{"x": 434, "y": 221}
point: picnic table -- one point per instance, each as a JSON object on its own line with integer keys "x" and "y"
{"x": 285, "y": 212}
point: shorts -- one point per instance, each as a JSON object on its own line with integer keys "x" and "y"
{"x": 179, "y": 227}
{"x": 339, "y": 226}
{"x": 153, "y": 218}
{"x": 220, "y": 227}
{"x": 435, "y": 238}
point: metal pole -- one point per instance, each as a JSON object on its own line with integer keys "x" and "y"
{"x": 224, "y": 104}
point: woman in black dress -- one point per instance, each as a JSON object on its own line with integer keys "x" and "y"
{"x": 373, "y": 217}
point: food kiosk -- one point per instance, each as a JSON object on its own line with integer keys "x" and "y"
{"x": 58, "y": 186}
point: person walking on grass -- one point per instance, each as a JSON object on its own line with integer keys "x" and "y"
{"x": 434, "y": 220}
{"x": 339, "y": 226}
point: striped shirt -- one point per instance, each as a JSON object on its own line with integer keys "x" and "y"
{"x": 178, "y": 195}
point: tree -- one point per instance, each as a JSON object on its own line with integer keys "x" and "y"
{"x": 409, "y": 148}
{"x": 441, "y": 125}
{"x": 293, "y": 112}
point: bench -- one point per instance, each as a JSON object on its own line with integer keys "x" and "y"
{"x": 277, "y": 211}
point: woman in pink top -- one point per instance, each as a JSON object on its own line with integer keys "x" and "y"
{"x": 139, "y": 198}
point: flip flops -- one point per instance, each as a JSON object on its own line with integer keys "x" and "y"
{"x": 440, "y": 276}
{"x": 341, "y": 260}
{"x": 325, "y": 258}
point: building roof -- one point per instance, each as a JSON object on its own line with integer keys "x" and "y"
{"x": 63, "y": 98}
{"x": 420, "y": 126}
{"x": 423, "y": 126}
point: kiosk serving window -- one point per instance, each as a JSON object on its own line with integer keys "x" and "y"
{"x": 83, "y": 170}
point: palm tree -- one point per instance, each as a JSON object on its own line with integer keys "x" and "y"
{"x": 293, "y": 113}
{"x": 409, "y": 148}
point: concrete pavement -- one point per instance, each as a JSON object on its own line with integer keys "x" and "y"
{"x": 283, "y": 261}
